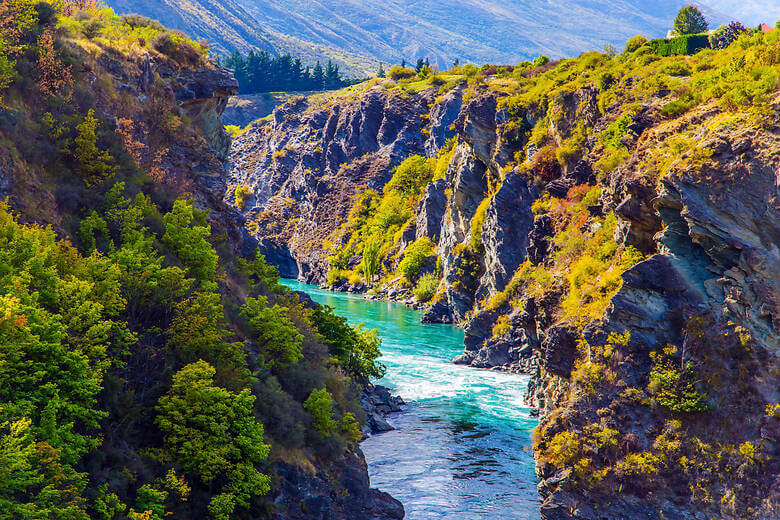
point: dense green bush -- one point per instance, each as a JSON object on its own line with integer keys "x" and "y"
{"x": 274, "y": 330}
{"x": 213, "y": 434}
{"x": 426, "y": 287}
{"x": 399, "y": 73}
{"x": 634, "y": 43}
{"x": 681, "y": 45}
{"x": 415, "y": 256}
{"x": 320, "y": 405}
{"x": 356, "y": 349}
{"x": 541, "y": 60}
{"x": 179, "y": 48}
{"x": 673, "y": 383}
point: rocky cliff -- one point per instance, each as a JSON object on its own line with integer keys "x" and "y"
{"x": 606, "y": 224}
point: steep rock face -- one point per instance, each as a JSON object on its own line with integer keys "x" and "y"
{"x": 343, "y": 493}
{"x": 310, "y": 160}
{"x": 431, "y": 212}
{"x": 712, "y": 291}
{"x": 505, "y": 233}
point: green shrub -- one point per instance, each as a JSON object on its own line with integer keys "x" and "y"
{"x": 243, "y": 193}
{"x": 355, "y": 348}
{"x": 370, "y": 261}
{"x": 541, "y": 60}
{"x": 634, "y": 44}
{"x": 415, "y": 256}
{"x": 677, "y": 107}
{"x": 187, "y": 239}
{"x": 411, "y": 176}
{"x": 426, "y": 287}
{"x": 680, "y": 46}
{"x": 503, "y": 326}
{"x": 675, "y": 68}
{"x": 94, "y": 165}
{"x": 673, "y": 383}
{"x": 179, "y": 48}
{"x": 212, "y": 433}
{"x": 399, "y": 73}
{"x": 136, "y": 21}
{"x": 320, "y": 405}
{"x": 274, "y": 330}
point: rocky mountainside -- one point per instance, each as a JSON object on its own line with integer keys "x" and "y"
{"x": 608, "y": 225}
{"x": 137, "y": 377}
{"x": 358, "y": 34}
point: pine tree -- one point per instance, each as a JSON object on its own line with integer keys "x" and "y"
{"x": 332, "y": 76}
{"x": 420, "y": 65}
{"x": 318, "y": 77}
{"x": 381, "y": 72}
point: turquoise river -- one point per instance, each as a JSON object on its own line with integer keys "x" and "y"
{"x": 461, "y": 449}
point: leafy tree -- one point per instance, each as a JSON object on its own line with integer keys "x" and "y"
{"x": 263, "y": 277}
{"x": 188, "y": 240}
{"x": 411, "y": 176}
{"x": 199, "y": 331}
{"x": 540, "y": 61}
{"x": 274, "y": 330}
{"x": 370, "y": 260}
{"x": 94, "y": 165}
{"x": 350, "y": 427}
{"x": 355, "y": 348}
{"x": 690, "y": 21}
{"x": 212, "y": 433}
{"x": 33, "y": 481}
{"x": 320, "y": 405}
{"x": 674, "y": 384}
{"x": 150, "y": 504}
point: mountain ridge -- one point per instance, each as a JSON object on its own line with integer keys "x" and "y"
{"x": 358, "y": 35}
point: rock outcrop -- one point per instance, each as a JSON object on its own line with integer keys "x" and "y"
{"x": 305, "y": 166}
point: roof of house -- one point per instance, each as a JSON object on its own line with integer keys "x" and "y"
{"x": 765, "y": 28}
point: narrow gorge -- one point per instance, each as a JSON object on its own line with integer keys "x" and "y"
{"x": 607, "y": 225}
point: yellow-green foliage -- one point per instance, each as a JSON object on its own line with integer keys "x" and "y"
{"x": 444, "y": 157}
{"x": 378, "y": 219}
{"x": 503, "y": 326}
{"x": 411, "y": 177}
{"x": 100, "y": 25}
{"x": 673, "y": 383}
{"x": 426, "y": 287}
{"x": 477, "y": 221}
{"x": 243, "y": 193}
{"x": 415, "y": 256}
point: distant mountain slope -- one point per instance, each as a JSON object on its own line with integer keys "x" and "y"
{"x": 358, "y": 33}
{"x": 224, "y": 24}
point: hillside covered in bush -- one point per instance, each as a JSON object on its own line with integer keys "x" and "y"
{"x": 150, "y": 362}
{"x": 605, "y": 223}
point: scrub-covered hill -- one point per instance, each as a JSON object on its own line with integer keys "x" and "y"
{"x": 150, "y": 362}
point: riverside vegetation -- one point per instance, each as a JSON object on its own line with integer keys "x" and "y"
{"x": 151, "y": 365}
{"x": 604, "y": 223}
